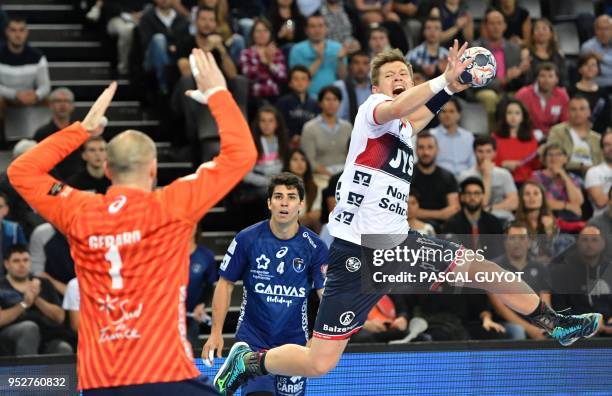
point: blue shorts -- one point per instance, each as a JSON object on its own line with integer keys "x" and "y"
{"x": 278, "y": 385}
{"x": 344, "y": 307}
{"x": 196, "y": 386}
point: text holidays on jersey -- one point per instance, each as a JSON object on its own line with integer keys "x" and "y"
{"x": 280, "y": 294}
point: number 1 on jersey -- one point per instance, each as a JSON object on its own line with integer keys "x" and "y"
{"x": 114, "y": 257}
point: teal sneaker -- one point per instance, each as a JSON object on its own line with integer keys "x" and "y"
{"x": 233, "y": 373}
{"x": 569, "y": 328}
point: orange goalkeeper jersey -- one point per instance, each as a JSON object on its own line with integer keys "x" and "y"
{"x": 130, "y": 249}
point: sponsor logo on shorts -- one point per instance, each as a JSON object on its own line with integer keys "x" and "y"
{"x": 298, "y": 265}
{"x": 346, "y": 318}
{"x": 353, "y": 264}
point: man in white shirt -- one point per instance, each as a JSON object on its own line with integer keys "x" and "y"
{"x": 72, "y": 303}
{"x": 599, "y": 178}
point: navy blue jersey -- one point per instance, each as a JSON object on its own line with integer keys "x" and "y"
{"x": 202, "y": 271}
{"x": 278, "y": 275}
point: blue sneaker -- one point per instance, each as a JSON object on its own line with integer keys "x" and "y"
{"x": 569, "y": 328}
{"x": 233, "y": 373}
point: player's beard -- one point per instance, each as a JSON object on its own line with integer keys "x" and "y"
{"x": 473, "y": 208}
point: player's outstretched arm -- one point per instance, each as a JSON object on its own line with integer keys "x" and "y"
{"x": 193, "y": 195}
{"x": 220, "y": 306}
{"x": 411, "y": 100}
{"x": 29, "y": 173}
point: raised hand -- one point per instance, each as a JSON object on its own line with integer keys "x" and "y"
{"x": 455, "y": 67}
{"x": 208, "y": 74}
{"x": 95, "y": 121}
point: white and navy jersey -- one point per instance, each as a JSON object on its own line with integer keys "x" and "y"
{"x": 373, "y": 190}
{"x": 278, "y": 276}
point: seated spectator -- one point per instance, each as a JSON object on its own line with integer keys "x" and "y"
{"x": 161, "y": 29}
{"x": 603, "y": 221}
{"x": 413, "y": 222}
{"x": 288, "y": 24}
{"x": 263, "y": 63}
{"x": 325, "y": 137}
{"x": 430, "y": 56}
{"x": 32, "y": 315}
{"x": 517, "y": 19}
{"x": 121, "y": 18}
{"x": 51, "y": 257}
{"x": 500, "y": 196}
{"x": 61, "y": 103}
{"x": 387, "y": 321}
{"x": 207, "y": 39}
{"x": 270, "y": 135}
{"x": 472, "y": 225}
{"x": 455, "y": 151}
{"x": 200, "y": 128}
{"x": 339, "y": 25}
{"x": 581, "y": 278}
{"x": 356, "y": 87}
{"x": 378, "y": 40}
{"x": 517, "y": 149}
{"x": 408, "y": 11}
{"x": 534, "y": 211}
{"x": 203, "y": 278}
{"x": 511, "y": 67}
{"x": 298, "y": 164}
{"x": 544, "y": 47}
{"x": 324, "y": 58}
{"x": 435, "y": 185}
{"x": 600, "y": 45}
{"x": 563, "y": 190}
{"x": 457, "y": 21}
{"x": 516, "y": 259}
{"x": 599, "y": 178}
{"x": 297, "y": 107}
{"x": 92, "y": 178}
{"x": 20, "y": 212}
{"x": 12, "y": 232}
{"x": 599, "y": 101}
{"x": 546, "y": 102}
{"x": 234, "y": 42}
{"x": 24, "y": 72}
{"x": 375, "y": 12}
{"x": 72, "y": 303}
{"x": 452, "y": 317}
{"x": 579, "y": 141}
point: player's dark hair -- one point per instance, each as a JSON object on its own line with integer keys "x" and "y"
{"x": 483, "y": 141}
{"x": 17, "y": 248}
{"x": 92, "y": 139}
{"x": 358, "y": 54}
{"x": 525, "y": 130}
{"x": 206, "y": 8}
{"x": 280, "y": 132}
{"x": 16, "y": 19}
{"x": 299, "y": 68}
{"x": 332, "y": 89}
{"x": 288, "y": 180}
{"x": 471, "y": 181}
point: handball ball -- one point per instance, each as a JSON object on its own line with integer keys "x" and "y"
{"x": 482, "y": 70}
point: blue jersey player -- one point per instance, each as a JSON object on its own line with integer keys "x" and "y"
{"x": 371, "y": 196}
{"x": 279, "y": 262}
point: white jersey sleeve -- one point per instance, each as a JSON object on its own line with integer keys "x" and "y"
{"x": 72, "y": 298}
{"x": 374, "y": 127}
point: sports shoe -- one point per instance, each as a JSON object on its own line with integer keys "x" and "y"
{"x": 569, "y": 328}
{"x": 233, "y": 373}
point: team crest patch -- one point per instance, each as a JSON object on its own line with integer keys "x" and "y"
{"x": 56, "y": 188}
{"x": 298, "y": 265}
